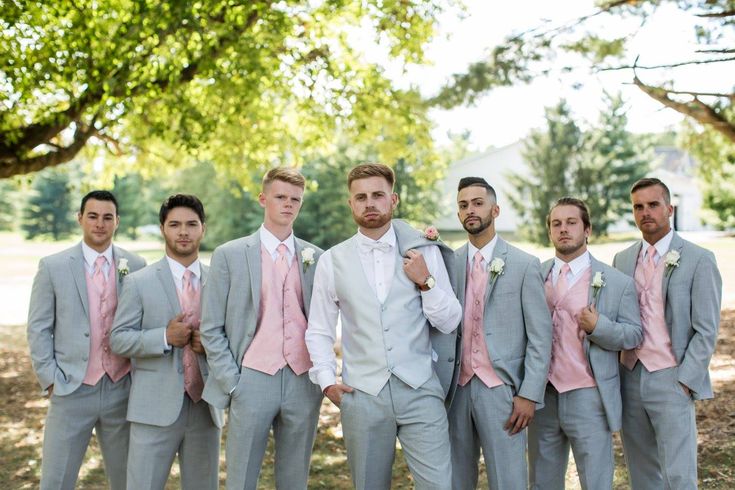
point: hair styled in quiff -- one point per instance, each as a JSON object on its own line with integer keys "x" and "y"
{"x": 365, "y": 170}
{"x": 584, "y": 212}
{"x": 650, "y": 182}
{"x": 284, "y": 174}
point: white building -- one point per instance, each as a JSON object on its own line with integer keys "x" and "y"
{"x": 673, "y": 166}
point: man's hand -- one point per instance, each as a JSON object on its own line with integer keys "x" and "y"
{"x": 334, "y": 392}
{"x": 523, "y": 410}
{"x": 587, "y": 318}
{"x": 178, "y": 333}
{"x": 415, "y": 268}
{"x": 196, "y": 342}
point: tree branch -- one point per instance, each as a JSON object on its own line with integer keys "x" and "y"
{"x": 696, "y": 109}
{"x": 725, "y": 13}
{"x": 672, "y": 65}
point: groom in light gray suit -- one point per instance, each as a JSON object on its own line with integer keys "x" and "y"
{"x": 594, "y": 314}
{"x": 679, "y": 292}
{"x": 390, "y": 285}
{"x": 156, "y": 325}
{"x": 72, "y": 305}
{"x": 506, "y": 347}
{"x": 255, "y": 309}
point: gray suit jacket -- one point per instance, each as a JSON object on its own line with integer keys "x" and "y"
{"x": 618, "y": 328}
{"x": 693, "y": 295}
{"x": 446, "y": 345}
{"x": 147, "y": 303}
{"x": 58, "y": 317}
{"x": 517, "y": 322}
{"x": 230, "y": 306}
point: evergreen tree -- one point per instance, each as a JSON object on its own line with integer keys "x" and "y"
{"x": 7, "y": 204}
{"x": 49, "y": 209}
{"x": 613, "y": 160}
{"x": 138, "y": 200}
{"x": 551, "y": 156}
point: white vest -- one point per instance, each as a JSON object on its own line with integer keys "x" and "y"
{"x": 379, "y": 339}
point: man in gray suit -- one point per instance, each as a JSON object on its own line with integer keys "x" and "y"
{"x": 256, "y": 304}
{"x": 679, "y": 292}
{"x": 390, "y": 285}
{"x": 72, "y": 305}
{"x": 156, "y": 325}
{"x": 506, "y": 347}
{"x": 595, "y": 314}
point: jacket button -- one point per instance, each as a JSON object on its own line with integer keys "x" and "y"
{"x": 84, "y": 358}
{"x": 86, "y": 334}
{"x": 451, "y": 359}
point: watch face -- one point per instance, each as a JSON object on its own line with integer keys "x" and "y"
{"x": 430, "y": 282}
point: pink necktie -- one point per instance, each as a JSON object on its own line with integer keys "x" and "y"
{"x": 561, "y": 283}
{"x": 282, "y": 261}
{"x": 98, "y": 278}
{"x": 478, "y": 274}
{"x": 193, "y": 382}
{"x": 650, "y": 263}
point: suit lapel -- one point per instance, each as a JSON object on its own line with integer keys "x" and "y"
{"x": 253, "y": 267}
{"x": 166, "y": 278}
{"x": 306, "y": 278}
{"x": 546, "y": 269}
{"x": 501, "y": 251}
{"x": 676, "y": 244}
{"x": 630, "y": 258}
{"x": 462, "y": 272}
{"x": 595, "y": 267}
{"x": 77, "y": 266}
{"x": 116, "y": 255}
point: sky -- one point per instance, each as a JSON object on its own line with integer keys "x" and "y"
{"x": 508, "y": 114}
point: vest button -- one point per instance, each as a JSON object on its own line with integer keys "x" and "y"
{"x": 477, "y": 301}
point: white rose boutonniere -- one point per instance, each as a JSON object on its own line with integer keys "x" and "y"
{"x": 307, "y": 257}
{"x": 496, "y": 268}
{"x": 122, "y": 267}
{"x": 671, "y": 259}
{"x": 597, "y": 284}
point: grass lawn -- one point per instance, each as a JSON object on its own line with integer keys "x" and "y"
{"x": 23, "y": 409}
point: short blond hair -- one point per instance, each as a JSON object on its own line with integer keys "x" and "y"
{"x": 284, "y": 174}
{"x": 365, "y": 170}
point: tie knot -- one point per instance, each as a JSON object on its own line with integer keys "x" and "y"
{"x": 565, "y": 269}
{"x": 373, "y": 245}
{"x": 478, "y": 258}
{"x": 651, "y": 252}
{"x": 187, "y": 276}
{"x": 100, "y": 262}
{"x": 282, "y": 250}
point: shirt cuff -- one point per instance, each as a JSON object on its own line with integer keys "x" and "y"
{"x": 166, "y": 346}
{"x": 326, "y": 379}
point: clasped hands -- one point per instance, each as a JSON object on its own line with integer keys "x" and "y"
{"x": 179, "y": 333}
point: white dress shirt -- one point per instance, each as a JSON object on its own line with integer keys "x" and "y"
{"x": 439, "y": 304}
{"x": 90, "y": 256}
{"x": 662, "y": 246}
{"x": 576, "y": 268}
{"x": 486, "y": 251}
{"x": 271, "y": 243}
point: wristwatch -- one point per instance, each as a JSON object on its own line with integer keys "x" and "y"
{"x": 429, "y": 283}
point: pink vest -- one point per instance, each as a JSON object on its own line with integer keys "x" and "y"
{"x": 655, "y": 351}
{"x": 102, "y": 305}
{"x": 279, "y": 337}
{"x": 570, "y": 369}
{"x": 475, "y": 356}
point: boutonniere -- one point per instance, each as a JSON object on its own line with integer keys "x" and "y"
{"x": 307, "y": 257}
{"x": 597, "y": 284}
{"x": 122, "y": 267}
{"x": 431, "y": 233}
{"x": 671, "y": 260}
{"x": 496, "y": 268}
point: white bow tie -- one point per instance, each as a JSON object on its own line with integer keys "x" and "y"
{"x": 380, "y": 246}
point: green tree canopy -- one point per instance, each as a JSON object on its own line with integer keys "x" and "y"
{"x": 586, "y": 41}
{"x": 246, "y": 85}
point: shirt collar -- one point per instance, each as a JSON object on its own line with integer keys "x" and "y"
{"x": 90, "y": 254}
{"x": 177, "y": 268}
{"x": 270, "y": 242}
{"x": 576, "y": 265}
{"x": 388, "y": 237}
{"x": 486, "y": 251}
{"x": 662, "y": 246}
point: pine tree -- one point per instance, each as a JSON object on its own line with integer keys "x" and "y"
{"x": 48, "y": 210}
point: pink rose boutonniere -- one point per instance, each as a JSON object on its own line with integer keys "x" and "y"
{"x": 431, "y": 233}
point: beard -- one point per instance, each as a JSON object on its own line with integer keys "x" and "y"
{"x": 569, "y": 247}
{"x": 375, "y": 222}
{"x": 478, "y": 227}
